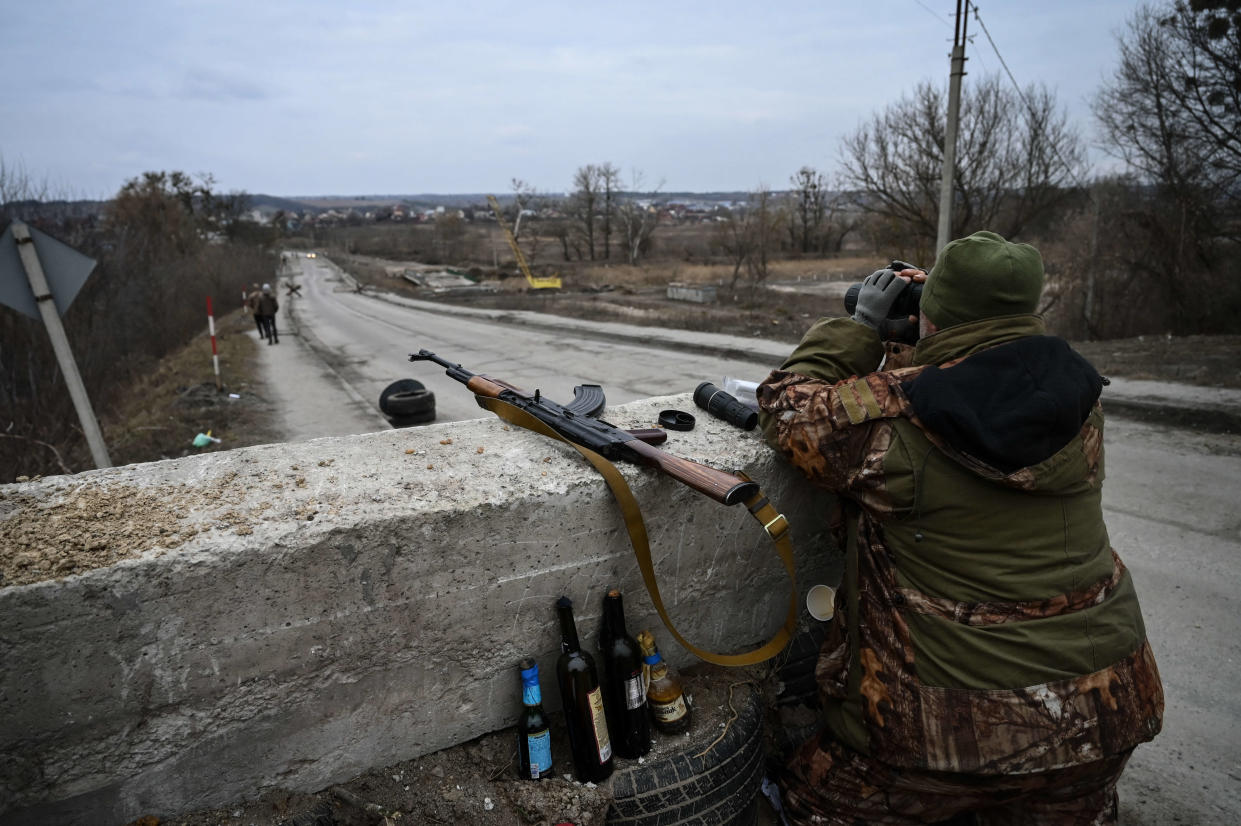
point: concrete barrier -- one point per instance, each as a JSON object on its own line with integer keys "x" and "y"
{"x": 291, "y": 615}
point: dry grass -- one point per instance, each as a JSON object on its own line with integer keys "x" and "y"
{"x": 178, "y": 400}
{"x": 661, "y": 272}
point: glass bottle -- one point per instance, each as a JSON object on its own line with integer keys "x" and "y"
{"x": 624, "y": 685}
{"x": 583, "y": 702}
{"x": 665, "y": 693}
{"x": 534, "y": 737}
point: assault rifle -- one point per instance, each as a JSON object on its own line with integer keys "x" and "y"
{"x": 578, "y": 422}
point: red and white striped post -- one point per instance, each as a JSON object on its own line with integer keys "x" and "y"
{"x": 215, "y": 351}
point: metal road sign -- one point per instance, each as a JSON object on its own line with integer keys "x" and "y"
{"x": 23, "y": 252}
{"x": 66, "y": 270}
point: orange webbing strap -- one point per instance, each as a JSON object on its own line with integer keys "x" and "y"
{"x": 773, "y": 522}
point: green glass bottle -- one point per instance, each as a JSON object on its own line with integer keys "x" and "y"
{"x": 583, "y": 702}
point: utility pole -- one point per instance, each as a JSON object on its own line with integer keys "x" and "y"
{"x": 950, "y": 132}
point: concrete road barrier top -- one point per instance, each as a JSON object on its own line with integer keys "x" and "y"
{"x": 291, "y": 615}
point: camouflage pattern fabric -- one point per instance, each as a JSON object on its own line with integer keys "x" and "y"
{"x": 828, "y": 784}
{"x": 1052, "y": 725}
{"x": 840, "y": 439}
{"x": 987, "y": 663}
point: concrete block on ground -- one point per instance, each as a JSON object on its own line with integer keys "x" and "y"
{"x": 291, "y": 615}
{"x": 697, "y": 293}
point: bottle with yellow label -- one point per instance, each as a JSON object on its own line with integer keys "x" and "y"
{"x": 583, "y": 702}
{"x": 665, "y": 694}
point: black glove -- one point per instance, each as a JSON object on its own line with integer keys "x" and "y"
{"x": 899, "y": 329}
{"x": 878, "y": 294}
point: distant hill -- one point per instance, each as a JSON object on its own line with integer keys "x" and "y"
{"x": 275, "y": 202}
{"x": 460, "y": 199}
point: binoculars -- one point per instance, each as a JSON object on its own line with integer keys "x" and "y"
{"x": 906, "y": 303}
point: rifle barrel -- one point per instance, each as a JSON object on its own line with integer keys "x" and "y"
{"x": 455, "y": 371}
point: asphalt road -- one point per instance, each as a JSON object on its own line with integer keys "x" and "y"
{"x": 366, "y": 343}
{"x": 1171, "y": 498}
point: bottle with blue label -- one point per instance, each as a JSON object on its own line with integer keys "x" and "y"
{"x": 534, "y": 737}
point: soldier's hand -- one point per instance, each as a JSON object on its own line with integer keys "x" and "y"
{"x": 879, "y": 292}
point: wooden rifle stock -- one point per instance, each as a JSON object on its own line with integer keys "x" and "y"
{"x": 720, "y": 486}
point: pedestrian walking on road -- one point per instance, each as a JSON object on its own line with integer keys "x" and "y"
{"x": 987, "y": 657}
{"x": 251, "y": 307}
{"x": 268, "y": 306}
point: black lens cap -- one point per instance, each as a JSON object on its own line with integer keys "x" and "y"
{"x": 676, "y": 420}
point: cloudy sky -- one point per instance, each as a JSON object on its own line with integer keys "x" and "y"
{"x": 354, "y": 97}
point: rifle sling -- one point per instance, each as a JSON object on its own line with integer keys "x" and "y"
{"x": 758, "y": 506}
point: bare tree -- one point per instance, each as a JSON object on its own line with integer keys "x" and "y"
{"x": 1016, "y": 154}
{"x": 734, "y": 236}
{"x": 638, "y": 218}
{"x": 809, "y": 197}
{"x": 840, "y": 218}
{"x": 449, "y": 236}
{"x": 525, "y": 199}
{"x": 766, "y": 222}
{"x": 562, "y": 232}
{"x": 17, "y": 186}
{"x": 1172, "y": 110}
{"x": 1172, "y": 113}
{"x": 584, "y": 204}
{"x": 610, "y": 180}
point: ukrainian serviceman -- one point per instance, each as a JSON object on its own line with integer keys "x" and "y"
{"x": 987, "y": 658}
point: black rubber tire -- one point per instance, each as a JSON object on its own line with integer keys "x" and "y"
{"x": 411, "y": 421}
{"x": 684, "y": 789}
{"x": 409, "y": 403}
{"x": 399, "y": 386}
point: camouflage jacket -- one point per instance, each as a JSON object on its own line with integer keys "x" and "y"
{"x": 985, "y": 625}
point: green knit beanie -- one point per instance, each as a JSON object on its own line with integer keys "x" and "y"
{"x": 981, "y": 276}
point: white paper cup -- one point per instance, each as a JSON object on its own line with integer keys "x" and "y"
{"x": 821, "y": 602}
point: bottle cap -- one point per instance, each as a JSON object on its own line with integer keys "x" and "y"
{"x": 676, "y": 420}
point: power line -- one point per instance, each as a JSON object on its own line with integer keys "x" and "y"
{"x": 1021, "y": 94}
{"x": 932, "y": 11}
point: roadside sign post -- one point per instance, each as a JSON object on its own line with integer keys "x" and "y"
{"x": 215, "y": 350}
{"x": 49, "y": 308}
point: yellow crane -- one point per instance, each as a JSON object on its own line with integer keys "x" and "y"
{"x": 536, "y": 282}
